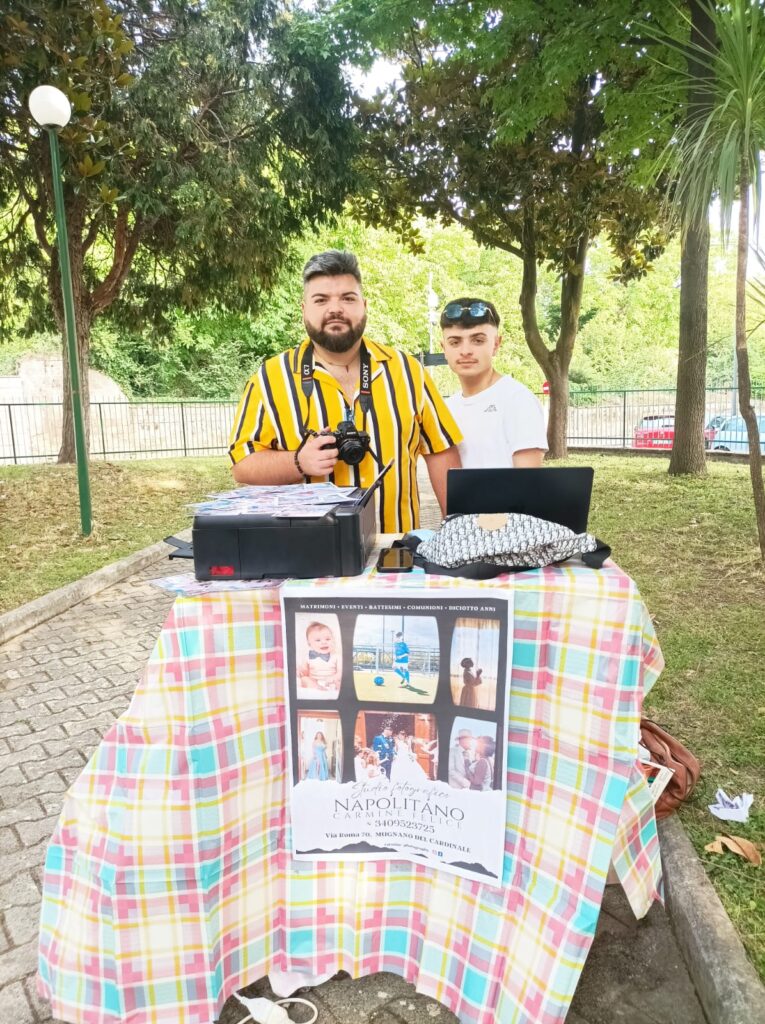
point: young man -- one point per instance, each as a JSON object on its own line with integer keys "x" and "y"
{"x": 502, "y": 422}
{"x": 289, "y": 405}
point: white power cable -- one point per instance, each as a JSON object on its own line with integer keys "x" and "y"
{"x": 263, "y": 1011}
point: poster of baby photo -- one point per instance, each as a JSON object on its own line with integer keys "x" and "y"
{"x": 318, "y": 656}
{"x": 401, "y": 746}
{"x": 320, "y": 746}
{"x": 472, "y": 750}
{"x": 396, "y": 658}
{"x": 473, "y": 663}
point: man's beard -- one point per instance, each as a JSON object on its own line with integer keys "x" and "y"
{"x": 333, "y": 342}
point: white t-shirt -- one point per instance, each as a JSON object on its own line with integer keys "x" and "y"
{"x": 495, "y": 423}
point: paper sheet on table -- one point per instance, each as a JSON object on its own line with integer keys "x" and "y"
{"x": 187, "y": 586}
{"x": 313, "y": 499}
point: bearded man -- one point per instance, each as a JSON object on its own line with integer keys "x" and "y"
{"x": 339, "y": 378}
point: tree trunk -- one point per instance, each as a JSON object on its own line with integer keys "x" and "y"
{"x": 75, "y": 212}
{"x": 688, "y": 447}
{"x": 554, "y": 364}
{"x": 68, "y": 451}
{"x": 557, "y": 423}
{"x": 82, "y": 322}
{"x": 742, "y": 361}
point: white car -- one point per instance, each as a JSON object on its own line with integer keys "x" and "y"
{"x": 732, "y": 436}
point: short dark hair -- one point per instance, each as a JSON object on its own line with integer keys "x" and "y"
{"x": 332, "y": 263}
{"x": 464, "y": 321}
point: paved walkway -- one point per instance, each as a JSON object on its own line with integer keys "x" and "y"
{"x": 64, "y": 682}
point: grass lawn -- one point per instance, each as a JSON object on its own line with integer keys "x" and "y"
{"x": 421, "y": 688}
{"x": 134, "y": 504}
{"x": 689, "y": 544}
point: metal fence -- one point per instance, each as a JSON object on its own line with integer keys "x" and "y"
{"x": 643, "y": 418}
{"x": 31, "y": 431}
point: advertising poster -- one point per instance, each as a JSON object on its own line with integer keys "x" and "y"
{"x": 397, "y": 725}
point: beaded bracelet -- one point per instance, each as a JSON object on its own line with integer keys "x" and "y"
{"x": 306, "y": 435}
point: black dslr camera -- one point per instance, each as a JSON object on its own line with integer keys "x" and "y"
{"x": 352, "y": 444}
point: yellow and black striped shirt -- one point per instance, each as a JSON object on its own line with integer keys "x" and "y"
{"x": 407, "y": 418}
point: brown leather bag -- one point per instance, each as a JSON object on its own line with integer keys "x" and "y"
{"x": 666, "y": 750}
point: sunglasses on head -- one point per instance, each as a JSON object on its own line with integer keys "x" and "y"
{"x": 475, "y": 311}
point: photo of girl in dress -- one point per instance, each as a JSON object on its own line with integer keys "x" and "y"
{"x": 318, "y": 656}
{"x": 402, "y": 747}
{"x": 320, "y": 746}
{"x": 474, "y": 663}
{"x": 396, "y": 658}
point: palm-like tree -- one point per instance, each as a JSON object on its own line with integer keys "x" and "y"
{"x": 716, "y": 152}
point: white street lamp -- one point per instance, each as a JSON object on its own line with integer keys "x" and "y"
{"x": 49, "y": 107}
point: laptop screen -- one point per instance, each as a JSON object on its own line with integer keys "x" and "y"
{"x": 559, "y": 494}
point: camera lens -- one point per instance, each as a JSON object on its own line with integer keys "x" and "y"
{"x": 351, "y": 451}
{"x": 352, "y": 444}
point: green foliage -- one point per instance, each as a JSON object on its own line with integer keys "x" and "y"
{"x": 14, "y": 350}
{"x": 204, "y": 137}
{"x": 205, "y": 354}
{"x": 532, "y": 54}
{"x": 508, "y": 115}
{"x": 212, "y": 352}
{"x": 719, "y": 144}
{"x": 499, "y": 124}
{"x": 627, "y": 337}
{"x": 717, "y": 149}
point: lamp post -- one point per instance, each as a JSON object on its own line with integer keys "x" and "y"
{"x": 51, "y": 110}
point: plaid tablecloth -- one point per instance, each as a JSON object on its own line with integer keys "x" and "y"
{"x": 168, "y": 882}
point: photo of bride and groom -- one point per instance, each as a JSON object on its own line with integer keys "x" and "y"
{"x": 403, "y": 748}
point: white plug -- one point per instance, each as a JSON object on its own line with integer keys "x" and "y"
{"x": 263, "y": 1011}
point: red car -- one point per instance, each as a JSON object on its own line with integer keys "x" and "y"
{"x": 654, "y": 432}
{"x": 659, "y": 432}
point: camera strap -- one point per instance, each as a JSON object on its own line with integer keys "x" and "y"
{"x": 365, "y": 381}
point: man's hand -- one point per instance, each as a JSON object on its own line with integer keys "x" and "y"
{"x": 315, "y": 459}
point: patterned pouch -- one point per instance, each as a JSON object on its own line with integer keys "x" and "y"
{"x": 482, "y": 546}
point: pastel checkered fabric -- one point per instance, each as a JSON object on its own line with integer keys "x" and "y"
{"x": 168, "y": 882}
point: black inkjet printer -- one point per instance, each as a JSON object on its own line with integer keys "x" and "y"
{"x": 336, "y": 541}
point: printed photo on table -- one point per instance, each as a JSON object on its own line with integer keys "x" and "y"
{"x": 318, "y": 656}
{"x": 320, "y": 748}
{"x": 402, "y": 747}
{"x": 396, "y": 658}
{"x": 472, "y": 753}
{"x": 474, "y": 663}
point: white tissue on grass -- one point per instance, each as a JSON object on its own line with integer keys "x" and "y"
{"x": 731, "y": 808}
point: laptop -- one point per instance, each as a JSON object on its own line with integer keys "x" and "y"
{"x": 560, "y": 495}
